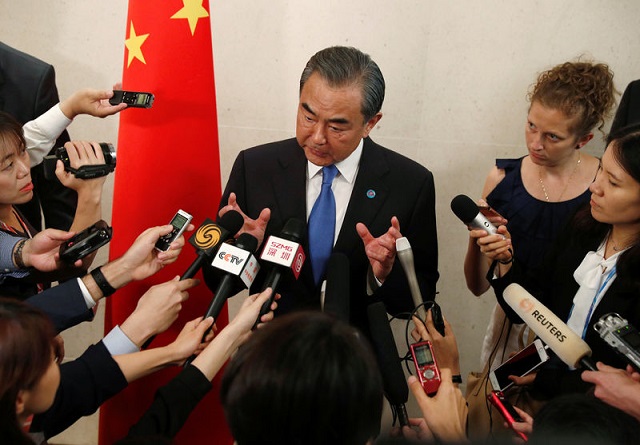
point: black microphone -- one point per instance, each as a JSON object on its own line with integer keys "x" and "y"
{"x": 467, "y": 210}
{"x": 284, "y": 253}
{"x": 384, "y": 345}
{"x": 209, "y": 236}
{"x": 338, "y": 291}
{"x": 238, "y": 264}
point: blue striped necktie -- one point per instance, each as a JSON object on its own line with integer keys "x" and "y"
{"x": 322, "y": 225}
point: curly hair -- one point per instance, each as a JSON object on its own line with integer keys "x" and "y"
{"x": 583, "y": 91}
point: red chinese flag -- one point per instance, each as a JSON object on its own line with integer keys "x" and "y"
{"x": 167, "y": 159}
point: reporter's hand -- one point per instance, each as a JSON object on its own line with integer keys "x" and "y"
{"x": 495, "y": 247}
{"x": 189, "y": 340}
{"x": 82, "y": 153}
{"x": 90, "y": 101}
{"x": 42, "y": 251}
{"x": 445, "y": 348}
{"x": 157, "y": 309}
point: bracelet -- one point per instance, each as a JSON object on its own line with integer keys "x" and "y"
{"x": 509, "y": 261}
{"x": 17, "y": 254}
{"x": 456, "y": 378}
{"x": 102, "y": 282}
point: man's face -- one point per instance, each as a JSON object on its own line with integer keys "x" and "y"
{"x": 330, "y": 124}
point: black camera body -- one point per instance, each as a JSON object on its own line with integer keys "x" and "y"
{"x": 84, "y": 172}
{"x": 86, "y": 242}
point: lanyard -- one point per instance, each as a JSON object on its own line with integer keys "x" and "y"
{"x": 596, "y": 298}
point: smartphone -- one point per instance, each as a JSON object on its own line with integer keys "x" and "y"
{"x": 521, "y": 364}
{"x": 488, "y": 212}
{"x": 507, "y": 410}
{"x": 132, "y": 98}
{"x": 85, "y": 242}
{"x": 180, "y": 221}
{"x": 426, "y": 367}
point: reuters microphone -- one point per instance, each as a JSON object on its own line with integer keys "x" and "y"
{"x": 209, "y": 236}
{"x": 570, "y": 348}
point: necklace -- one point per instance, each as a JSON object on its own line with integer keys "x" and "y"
{"x": 544, "y": 189}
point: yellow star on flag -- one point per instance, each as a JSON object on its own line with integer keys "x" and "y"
{"x": 192, "y": 11}
{"x": 134, "y": 45}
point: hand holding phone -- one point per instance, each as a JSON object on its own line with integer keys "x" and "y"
{"x": 521, "y": 364}
{"x": 180, "y": 221}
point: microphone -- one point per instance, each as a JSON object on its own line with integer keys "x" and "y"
{"x": 405, "y": 256}
{"x": 467, "y": 211}
{"x": 209, "y": 236}
{"x": 236, "y": 261}
{"x": 569, "y": 347}
{"x": 284, "y": 253}
{"x": 384, "y": 345}
{"x": 337, "y": 293}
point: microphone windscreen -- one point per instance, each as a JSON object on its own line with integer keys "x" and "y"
{"x": 395, "y": 385}
{"x": 232, "y": 221}
{"x": 338, "y": 291}
{"x": 464, "y": 208}
{"x": 554, "y": 332}
{"x": 247, "y": 242}
{"x": 293, "y": 230}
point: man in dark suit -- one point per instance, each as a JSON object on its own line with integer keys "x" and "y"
{"x": 27, "y": 90}
{"x": 629, "y": 109}
{"x": 378, "y": 193}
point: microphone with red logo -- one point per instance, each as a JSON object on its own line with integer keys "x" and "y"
{"x": 210, "y": 236}
{"x": 284, "y": 253}
{"x": 239, "y": 265}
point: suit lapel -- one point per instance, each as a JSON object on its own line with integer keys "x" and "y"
{"x": 289, "y": 183}
{"x": 369, "y": 194}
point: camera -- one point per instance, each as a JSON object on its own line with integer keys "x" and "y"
{"x": 84, "y": 172}
{"x": 426, "y": 367}
{"x": 621, "y": 336}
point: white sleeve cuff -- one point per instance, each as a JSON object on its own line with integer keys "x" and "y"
{"x": 41, "y": 133}
{"x": 85, "y": 293}
{"x": 117, "y": 342}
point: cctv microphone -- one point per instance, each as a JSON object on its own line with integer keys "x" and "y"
{"x": 236, "y": 261}
{"x": 284, "y": 253}
{"x": 467, "y": 211}
{"x": 568, "y": 346}
{"x": 209, "y": 236}
{"x": 384, "y": 345}
{"x": 337, "y": 294}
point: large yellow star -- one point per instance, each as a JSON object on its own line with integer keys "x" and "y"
{"x": 134, "y": 45}
{"x": 192, "y": 11}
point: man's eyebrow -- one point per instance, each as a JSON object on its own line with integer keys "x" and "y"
{"x": 308, "y": 108}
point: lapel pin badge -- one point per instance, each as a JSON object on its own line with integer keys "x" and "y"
{"x": 371, "y": 194}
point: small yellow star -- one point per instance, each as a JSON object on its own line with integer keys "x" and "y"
{"x": 192, "y": 11}
{"x": 134, "y": 45}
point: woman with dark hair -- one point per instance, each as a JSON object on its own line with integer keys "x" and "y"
{"x": 592, "y": 267}
{"x": 304, "y": 378}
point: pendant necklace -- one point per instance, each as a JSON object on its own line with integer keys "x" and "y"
{"x": 544, "y": 189}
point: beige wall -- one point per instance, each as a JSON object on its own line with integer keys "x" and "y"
{"x": 456, "y": 72}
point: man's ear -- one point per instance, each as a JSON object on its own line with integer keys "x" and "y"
{"x": 371, "y": 123}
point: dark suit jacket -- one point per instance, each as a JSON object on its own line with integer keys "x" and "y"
{"x": 629, "y": 109}
{"x": 27, "y": 90}
{"x": 64, "y": 304}
{"x": 85, "y": 384}
{"x": 553, "y": 284}
{"x": 387, "y": 184}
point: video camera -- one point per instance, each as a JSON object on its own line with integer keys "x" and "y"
{"x": 84, "y": 172}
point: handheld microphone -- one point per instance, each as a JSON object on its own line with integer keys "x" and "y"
{"x": 384, "y": 345}
{"x": 237, "y": 261}
{"x": 569, "y": 347}
{"x": 405, "y": 256}
{"x": 467, "y": 211}
{"x": 209, "y": 236}
{"x": 284, "y": 253}
{"x": 337, "y": 293}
